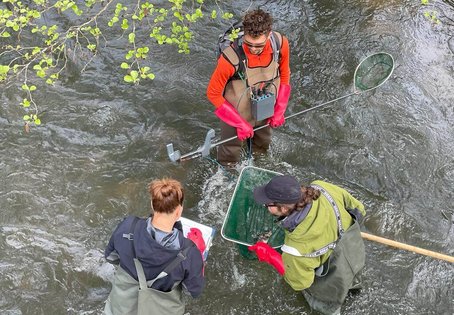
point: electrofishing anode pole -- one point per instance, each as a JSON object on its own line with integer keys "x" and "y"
{"x": 204, "y": 149}
{"x": 286, "y": 118}
{"x": 361, "y": 79}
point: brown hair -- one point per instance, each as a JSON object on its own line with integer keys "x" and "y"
{"x": 257, "y": 22}
{"x": 166, "y": 195}
{"x": 309, "y": 194}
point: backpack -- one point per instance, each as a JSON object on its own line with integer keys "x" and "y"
{"x": 237, "y": 45}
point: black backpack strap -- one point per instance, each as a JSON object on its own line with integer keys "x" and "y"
{"x": 276, "y": 45}
{"x": 237, "y": 46}
{"x": 130, "y": 235}
{"x": 182, "y": 255}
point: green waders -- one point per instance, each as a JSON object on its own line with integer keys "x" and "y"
{"x": 129, "y": 297}
{"x": 329, "y": 291}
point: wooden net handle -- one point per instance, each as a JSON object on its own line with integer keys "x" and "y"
{"x": 404, "y": 246}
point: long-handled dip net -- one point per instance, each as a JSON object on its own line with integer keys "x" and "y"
{"x": 371, "y": 73}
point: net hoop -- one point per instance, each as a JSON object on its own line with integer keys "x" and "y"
{"x": 382, "y": 80}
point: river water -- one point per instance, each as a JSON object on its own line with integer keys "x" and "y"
{"x": 68, "y": 183}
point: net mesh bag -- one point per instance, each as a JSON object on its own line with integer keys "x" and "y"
{"x": 247, "y": 222}
{"x": 373, "y": 71}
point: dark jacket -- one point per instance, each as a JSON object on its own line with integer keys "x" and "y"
{"x": 154, "y": 257}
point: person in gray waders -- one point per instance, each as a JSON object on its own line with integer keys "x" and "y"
{"x": 323, "y": 252}
{"x": 156, "y": 263}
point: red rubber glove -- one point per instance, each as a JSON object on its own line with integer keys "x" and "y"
{"x": 269, "y": 255}
{"x": 278, "y": 118}
{"x": 195, "y": 235}
{"x": 231, "y": 117}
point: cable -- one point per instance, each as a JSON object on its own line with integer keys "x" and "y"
{"x": 224, "y": 170}
{"x": 249, "y": 151}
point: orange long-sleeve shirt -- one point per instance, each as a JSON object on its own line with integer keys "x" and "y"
{"x": 225, "y": 70}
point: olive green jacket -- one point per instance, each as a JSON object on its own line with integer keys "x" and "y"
{"x": 316, "y": 230}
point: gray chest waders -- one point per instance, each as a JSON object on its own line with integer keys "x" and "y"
{"x": 342, "y": 269}
{"x": 131, "y": 298}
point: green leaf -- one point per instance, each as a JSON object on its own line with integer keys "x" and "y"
{"x": 128, "y": 78}
{"x": 132, "y": 37}
{"x": 124, "y": 24}
{"x": 37, "y": 121}
{"x": 26, "y": 103}
{"x": 5, "y": 34}
{"x": 4, "y": 69}
{"x": 27, "y": 117}
{"x": 134, "y": 74}
{"x": 150, "y": 76}
{"x": 32, "y": 88}
{"x": 36, "y": 14}
{"x": 36, "y": 50}
{"x": 76, "y": 10}
{"x": 41, "y": 73}
{"x": 124, "y": 65}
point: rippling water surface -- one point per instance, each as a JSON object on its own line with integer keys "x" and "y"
{"x": 68, "y": 183}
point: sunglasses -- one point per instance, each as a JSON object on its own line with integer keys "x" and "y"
{"x": 251, "y": 45}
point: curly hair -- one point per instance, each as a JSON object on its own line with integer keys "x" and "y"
{"x": 257, "y": 22}
{"x": 166, "y": 195}
{"x": 309, "y": 194}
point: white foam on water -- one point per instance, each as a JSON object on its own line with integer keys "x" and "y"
{"x": 240, "y": 279}
{"x": 433, "y": 282}
{"x": 55, "y": 249}
{"x": 216, "y": 194}
{"x": 94, "y": 262}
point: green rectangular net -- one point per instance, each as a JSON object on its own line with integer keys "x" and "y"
{"x": 247, "y": 222}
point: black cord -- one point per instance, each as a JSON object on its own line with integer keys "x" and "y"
{"x": 227, "y": 173}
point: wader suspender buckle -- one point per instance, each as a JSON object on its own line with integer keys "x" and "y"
{"x": 130, "y": 235}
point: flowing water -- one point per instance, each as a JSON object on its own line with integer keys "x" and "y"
{"x": 68, "y": 183}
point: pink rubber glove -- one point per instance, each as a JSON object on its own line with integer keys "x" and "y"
{"x": 278, "y": 118}
{"x": 269, "y": 255}
{"x": 195, "y": 235}
{"x": 231, "y": 117}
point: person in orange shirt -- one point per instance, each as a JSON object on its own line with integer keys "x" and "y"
{"x": 255, "y": 66}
